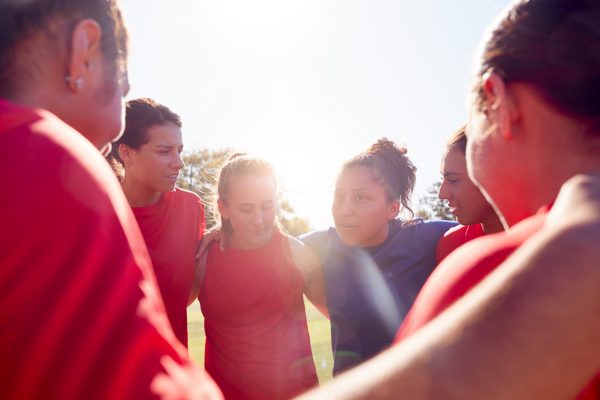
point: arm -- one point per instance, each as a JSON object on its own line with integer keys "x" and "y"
{"x": 516, "y": 335}
{"x": 213, "y": 234}
{"x": 306, "y": 260}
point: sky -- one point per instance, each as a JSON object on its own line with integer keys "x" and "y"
{"x": 308, "y": 83}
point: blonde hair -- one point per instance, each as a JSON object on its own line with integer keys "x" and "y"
{"x": 239, "y": 164}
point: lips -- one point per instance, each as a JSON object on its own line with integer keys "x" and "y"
{"x": 346, "y": 225}
{"x": 173, "y": 177}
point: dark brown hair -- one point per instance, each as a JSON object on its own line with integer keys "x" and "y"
{"x": 140, "y": 115}
{"x": 458, "y": 140}
{"x": 391, "y": 168}
{"x": 20, "y": 20}
{"x": 239, "y": 164}
{"x": 553, "y": 45}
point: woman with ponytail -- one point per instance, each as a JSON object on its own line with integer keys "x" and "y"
{"x": 374, "y": 262}
{"x": 251, "y": 293}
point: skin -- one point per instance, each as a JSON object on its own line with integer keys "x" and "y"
{"x": 493, "y": 343}
{"x": 361, "y": 208}
{"x": 96, "y": 108}
{"x": 511, "y": 144}
{"x": 251, "y": 207}
{"x": 153, "y": 168}
{"x": 467, "y": 203}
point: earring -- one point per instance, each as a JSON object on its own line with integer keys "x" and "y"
{"x": 77, "y": 83}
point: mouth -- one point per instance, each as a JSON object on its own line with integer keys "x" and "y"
{"x": 346, "y": 225}
{"x": 173, "y": 177}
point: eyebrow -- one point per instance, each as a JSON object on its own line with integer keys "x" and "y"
{"x": 354, "y": 190}
{"x": 452, "y": 173}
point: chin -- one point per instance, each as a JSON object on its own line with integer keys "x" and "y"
{"x": 348, "y": 241}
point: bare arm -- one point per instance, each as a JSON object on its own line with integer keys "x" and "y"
{"x": 200, "y": 261}
{"x": 310, "y": 266}
{"x": 530, "y": 330}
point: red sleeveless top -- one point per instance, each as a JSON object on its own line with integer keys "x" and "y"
{"x": 257, "y": 342}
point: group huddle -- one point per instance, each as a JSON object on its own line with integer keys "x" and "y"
{"x": 99, "y": 265}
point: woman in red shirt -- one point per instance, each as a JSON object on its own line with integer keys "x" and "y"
{"x": 471, "y": 209}
{"x": 257, "y": 341}
{"x": 171, "y": 219}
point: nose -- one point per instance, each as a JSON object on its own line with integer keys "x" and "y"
{"x": 257, "y": 218}
{"x": 177, "y": 162}
{"x": 444, "y": 191}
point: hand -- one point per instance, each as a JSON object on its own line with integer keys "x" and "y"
{"x": 187, "y": 381}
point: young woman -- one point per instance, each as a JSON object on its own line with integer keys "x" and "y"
{"x": 171, "y": 219}
{"x": 534, "y": 123}
{"x": 374, "y": 263}
{"x": 471, "y": 209}
{"x": 251, "y": 294}
{"x": 80, "y": 313}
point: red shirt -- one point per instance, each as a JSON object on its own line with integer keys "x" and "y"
{"x": 456, "y": 237}
{"x": 465, "y": 268}
{"x": 257, "y": 342}
{"x": 172, "y": 228}
{"x": 80, "y": 313}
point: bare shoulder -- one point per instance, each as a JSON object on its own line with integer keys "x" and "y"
{"x": 302, "y": 256}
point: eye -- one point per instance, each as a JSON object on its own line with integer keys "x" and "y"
{"x": 360, "y": 198}
{"x": 246, "y": 209}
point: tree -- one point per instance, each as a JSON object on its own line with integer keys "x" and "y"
{"x": 291, "y": 223}
{"x": 432, "y": 207}
{"x": 200, "y": 175}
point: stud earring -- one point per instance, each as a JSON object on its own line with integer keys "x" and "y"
{"x": 77, "y": 83}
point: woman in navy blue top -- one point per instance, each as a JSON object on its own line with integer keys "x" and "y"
{"x": 374, "y": 264}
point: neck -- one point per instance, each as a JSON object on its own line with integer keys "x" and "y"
{"x": 492, "y": 224}
{"x": 139, "y": 195}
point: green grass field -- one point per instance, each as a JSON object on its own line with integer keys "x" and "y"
{"x": 318, "y": 327}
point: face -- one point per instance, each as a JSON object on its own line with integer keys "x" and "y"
{"x": 156, "y": 164}
{"x": 467, "y": 203}
{"x": 109, "y": 102}
{"x": 361, "y": 208}
{"x": 250, "y": 206}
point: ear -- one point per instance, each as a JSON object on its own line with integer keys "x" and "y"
{"x": 223, "y": 209}
{"x": 500, "y": 103}
{"x": 127, "y": 154}
{"x": 394, "y": 209}
{"x": 85, "y": 55}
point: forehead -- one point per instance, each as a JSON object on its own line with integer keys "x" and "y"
{"x": 453, "y": 161}
{"x": 357, "y": 177}
{"x": 166, "y": 134}
{"x": 251, "y": 188}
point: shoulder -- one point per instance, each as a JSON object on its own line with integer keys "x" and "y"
{"x": 186, "y": 195}
{"x": 57, "y": 160}
{"x": 186, "y": 199}
{"x": 428, "y": 231}
{"x": 319, "y": 241}
{"x": 302, "y": 255}
{"x": 452, "y": 239}
{"x": 497, "y": 246}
